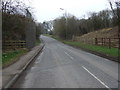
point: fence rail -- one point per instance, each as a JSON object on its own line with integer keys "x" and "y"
{"x": 14, "y": 44}
{"x": 110, "y": 42}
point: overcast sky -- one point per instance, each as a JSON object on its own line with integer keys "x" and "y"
{"x": 45, "y": 10}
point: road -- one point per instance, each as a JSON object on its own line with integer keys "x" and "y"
{"x": 62, "y": 66}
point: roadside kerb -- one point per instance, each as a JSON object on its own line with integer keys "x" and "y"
{"x": 12, "y": 81}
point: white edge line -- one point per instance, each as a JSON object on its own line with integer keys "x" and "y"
{"x": 39, "y": 57}
{"x": 96, "y": 78}
{"x": 69, "y": 55}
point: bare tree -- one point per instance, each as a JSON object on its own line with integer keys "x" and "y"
{"x": 111, "y": 5}
{"x": 14, "y": 7}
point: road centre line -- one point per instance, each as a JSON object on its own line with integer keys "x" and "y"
{"x": 96, "y": 78}
{"x": 69, "y": 55}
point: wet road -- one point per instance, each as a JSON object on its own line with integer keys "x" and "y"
{"x": 62, "y": 66}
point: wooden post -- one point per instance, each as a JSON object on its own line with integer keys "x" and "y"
{"x": 96, "y": 41}
{"x": 118, "y": 43}
{"x": 118, "y": 20}
{"x": 109, "y": 42}
{"x": 102, "y": 41}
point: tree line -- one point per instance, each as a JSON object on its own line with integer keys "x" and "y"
{"x": 68, "y": 26}
{"x": 16, "y": 17}
{"x": 18, "y": 22}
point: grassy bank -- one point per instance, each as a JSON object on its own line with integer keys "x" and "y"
{"x": 9, "y": 57}
{"x": 101, "y": 49}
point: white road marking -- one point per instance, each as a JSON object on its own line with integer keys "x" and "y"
{"x": 38, "y": 60}
{"x": 69, "y": 55}
{"x": 96, "y": 78}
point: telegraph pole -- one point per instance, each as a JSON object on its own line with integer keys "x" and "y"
{"x": 118, "y": 13}
{"x": 66, "y": 22}
{"x": 118, "y": 17}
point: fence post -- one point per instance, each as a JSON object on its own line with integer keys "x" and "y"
{"x": 118, "y": 43}
{"x": 96, "y": 41}
{"x": 109, "y": 43}
{"x": 105, "y": 41}
{"x": 102, "y": 41}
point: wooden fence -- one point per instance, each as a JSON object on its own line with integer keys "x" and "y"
{"x": 13, "y": 44}
{"x": 110, "y": 42}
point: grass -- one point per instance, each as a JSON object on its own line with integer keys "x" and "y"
{"x": 105, "y": 50}
{"x": 37, "y": 42}
{"x": 0, "y": 59}
{"x": 101, "y": 49}
{"x": 9, "y": 57}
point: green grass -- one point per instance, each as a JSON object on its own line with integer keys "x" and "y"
{"x": 101, "y": 49}
{"x": 0, "y": 59}
{"x": 10, "y": 56}
{"x": 37, "y": 42}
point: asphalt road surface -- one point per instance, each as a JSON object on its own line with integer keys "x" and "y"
{"x": 62, "y": 66}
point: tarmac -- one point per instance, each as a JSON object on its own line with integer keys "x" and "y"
{"x": 12, "y": 72}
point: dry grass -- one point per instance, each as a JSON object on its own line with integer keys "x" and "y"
{"x": 104, "y": 33}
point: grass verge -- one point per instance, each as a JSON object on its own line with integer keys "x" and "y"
{"x": 10, "y": 57}
{"x": 100, "y": 49}
{"x": 37, "y": 42}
